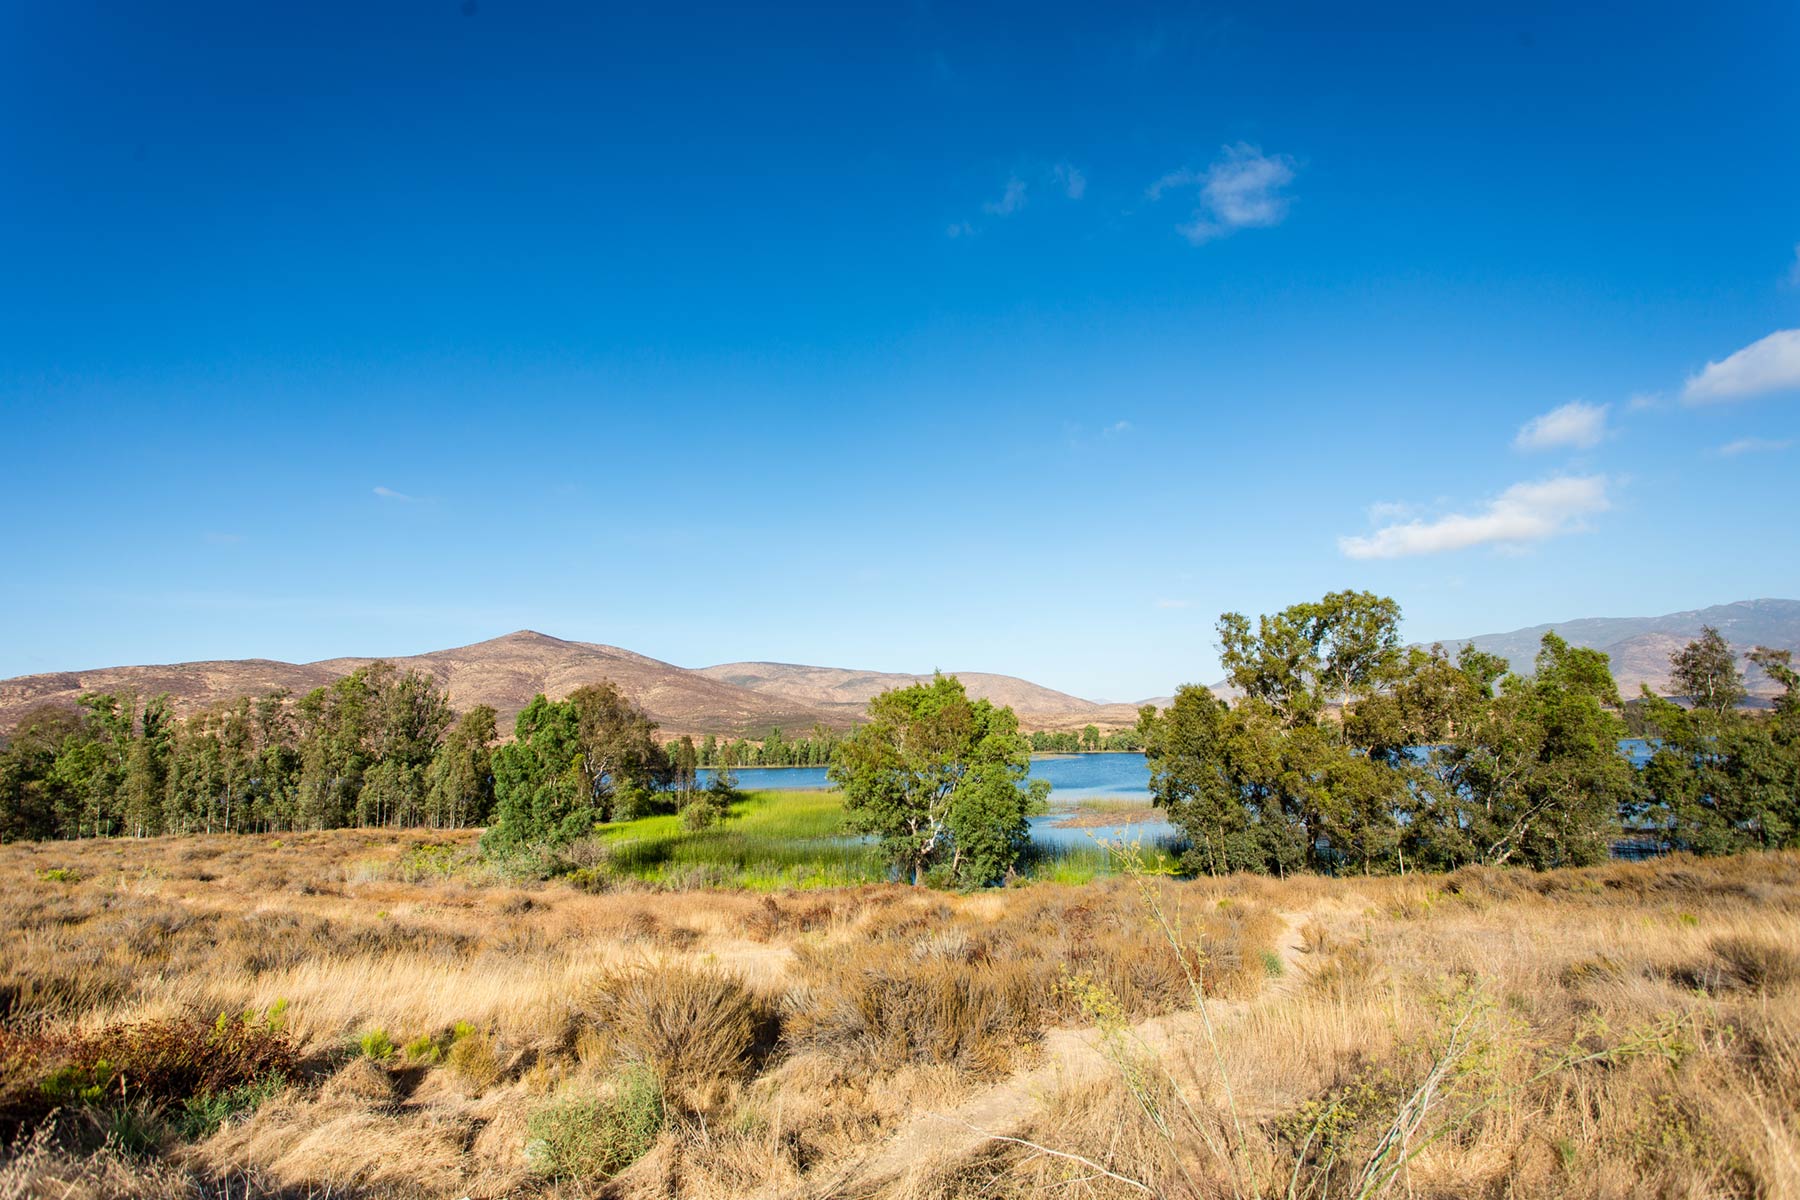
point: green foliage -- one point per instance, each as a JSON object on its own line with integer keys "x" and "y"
{"x": 592, "y": 1139}
{"x": 1423, "y": 762}
{"x": 573, "y": 765}
{"x": 766, "y": 840}
{"x": 376, "y": 1045}
{"x": 60, "y": 875}
{"x": 157, "y": 1062}
{"x": 203, "y": 1115}
{"x": 1706, "y": 672}
{"x": 1723, "y": 780}
{"x": 940, "y": 781}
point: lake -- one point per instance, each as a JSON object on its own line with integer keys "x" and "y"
{"x": 1073, "y": 778}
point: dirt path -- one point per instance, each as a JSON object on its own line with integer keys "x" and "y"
{"x": 1071, "y": 1057}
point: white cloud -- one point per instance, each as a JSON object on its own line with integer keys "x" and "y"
{"x": 388, "y": 493}
{"x": 1754, "y": 446}
{"x": 1389, "y": 510}
{"x": 1070, "y": 179}
{"x": 1117, "y": 428}
{"x": 1240, "y": 190}
{"x": 1771, "y": 365}
{"x": 1643, "y": 401}
{"x": 1582, "y": 426}
{"x": 1010, "y": 201}
{"x": 1523, "y": 513}
{"x": 960, "y": 229}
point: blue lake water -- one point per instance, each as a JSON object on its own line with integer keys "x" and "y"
{"x": 1072, "y": 777}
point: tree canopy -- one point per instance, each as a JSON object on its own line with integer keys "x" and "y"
{"x": 940, "y": 781}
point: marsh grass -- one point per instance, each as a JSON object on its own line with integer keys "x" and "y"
{"x": 766, "y": 841}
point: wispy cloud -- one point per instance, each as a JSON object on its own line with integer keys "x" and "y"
{"x": 960, "y": 229}
{"x": 1522, "y": 514}
{"x": 1010, "y": 201}
{"x": 388, "y": 493}
{"x": 1240, "y": 190}
{"x": 1070, "y": 179}
{"x": 1117, "y": 428}
{"x": 1753, "y": 445}
{"x": 1576, "y": 425}
{"x": 1769, "y": 365}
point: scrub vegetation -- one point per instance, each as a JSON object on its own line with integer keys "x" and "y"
{"x": 628, "y": 985}
{"x": 316, "y": 1015}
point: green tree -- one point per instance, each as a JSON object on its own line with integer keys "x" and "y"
{"x": 31, "y": 805}
{"x": 1537, "y": 777}
{"x": 1090, "y": 738}
{"x": 940, "y": 781}
{"x": 573, "y": 765}
{"x": 1706, "y": 672}
{"x": 1338, "y": 649}
{"x": 623, "y": 762}
{"x": 460, "y": 780}
{"x": 540, "y": 790}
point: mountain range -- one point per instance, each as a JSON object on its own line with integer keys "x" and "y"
{"x": 750, "y": 698}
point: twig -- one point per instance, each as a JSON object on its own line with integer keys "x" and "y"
{"x": 1084, "y": 1161}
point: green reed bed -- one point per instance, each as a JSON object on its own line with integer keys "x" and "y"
{"x": 773, "y": 840}
{"x": 768, "y": 840}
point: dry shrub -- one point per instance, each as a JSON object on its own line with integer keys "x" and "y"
{"x": 1757, "y": 963}
{"x": 888, "y": 1008}
{"x": 360, "y": 1081}
{"x": 471, "y": 1058}
{"x": 158, "y": 1061}
{"x": 691, "y": 1027}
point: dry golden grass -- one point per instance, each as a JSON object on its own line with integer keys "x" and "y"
{"x": 1625, "y": 1030}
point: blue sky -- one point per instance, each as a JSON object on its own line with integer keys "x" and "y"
{"x": 1026, "y": 338}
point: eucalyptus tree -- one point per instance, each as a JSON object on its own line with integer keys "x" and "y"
{"x": 941, "y": 782}
{"x": 1706, "y": 672}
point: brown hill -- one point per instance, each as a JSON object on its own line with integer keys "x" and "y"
{"x": 846, "y": 691}
{"x": 505, "y": 672}
{"x": 1639, "y": 647}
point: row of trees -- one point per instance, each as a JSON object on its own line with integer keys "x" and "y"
{"x": 1089, "y": 741}
{"x": 814, "y": 750}
{"x": 378, "y": 747}
{"x": 1346, "y": 752}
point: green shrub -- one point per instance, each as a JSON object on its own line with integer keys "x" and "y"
{"x": 202, "y": 1115}
{"x": 596, "y": 1138}
{"x": 134, "y": 1128}
{"x": 376, "y": 1044}
{"x": 59, "y": 875}
{"x": 423, "y": 1049}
